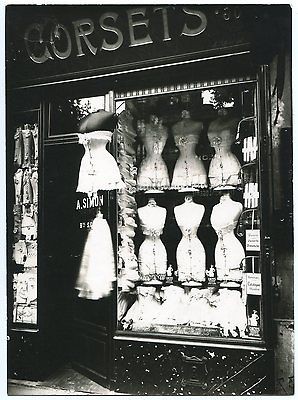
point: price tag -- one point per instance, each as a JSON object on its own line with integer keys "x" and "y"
{"x": 253, "y": 283}
{"x": 253, "y": 239}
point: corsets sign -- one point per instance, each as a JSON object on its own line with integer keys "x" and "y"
{"x": 89, "y": 36}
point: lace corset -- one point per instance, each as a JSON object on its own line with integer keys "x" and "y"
{"x": 186, "y": 144}
{"x": 189, "y": 232}
{"x": 153, "y": 232}
{"x": 154, "y": 142}
{"x": 98, "y": 170}
{"x": 95, "y": 139}
{"x": 222, "y": 139}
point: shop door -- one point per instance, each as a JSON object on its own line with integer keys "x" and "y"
{"x": 86, "y": 324}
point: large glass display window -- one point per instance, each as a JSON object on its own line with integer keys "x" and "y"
{"x": 189, "y": 219}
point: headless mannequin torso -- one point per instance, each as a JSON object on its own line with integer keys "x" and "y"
{"x": 224, "y": 167}
{"x": 191, "y": 258}
{"x": 153, "y": 173}
{"x": 99, "y": 170}
{"x": 189, "y": 170}
{"x": 152, "y": 253}
{"x": 228, "y": 251}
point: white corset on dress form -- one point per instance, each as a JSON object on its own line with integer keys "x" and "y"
{"x": 152, "y": 257}
{"x": 153, "y": 172}
{"x": 224, "y": 167}
{"x": 99, "y": 170}
{"x": 189, "y": 170}
{"x": 190, "y": 254}
{"x": 228, "y": 251}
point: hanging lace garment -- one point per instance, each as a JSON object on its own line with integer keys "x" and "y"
{"x": 97, "y": 269}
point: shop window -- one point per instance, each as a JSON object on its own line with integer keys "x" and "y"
{"x": 189, "y": 224}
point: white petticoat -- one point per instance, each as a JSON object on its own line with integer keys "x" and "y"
{"x": 97, "y": 270}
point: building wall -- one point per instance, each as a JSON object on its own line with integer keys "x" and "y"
{"x": 283, "y": 268}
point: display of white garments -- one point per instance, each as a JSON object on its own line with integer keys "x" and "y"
{"x": 17, "y": 222}
{"x": 31, "y": 259}
{"x": 26, "y": 287}
{"x": 224, "y": 167}
{"x": 152, "y": 256}
{"x": 189, "y": 170}
{"x": 29, "y": 227}
{"x": 28, "y": 146}
{"x": 190, "y": 254}
{"x": 173, "y": 307}
{"x": 34, "y": 185}
{"x": 18, "y": 148}
{"x": 19, "y": 253}
{"x": 97, "y": 268}
{"x": 27, "y": 188}
{"x": 18, "y": 181}
{"x": 99, "y": 169}
{"x": 201, "y": 306}
{"x": 231, "y": 312}
{"x": 229, "y": 251}
{"x": 145, "y": 309}
{"x": 35, "y": 141}
{"x": 153, "y": 172}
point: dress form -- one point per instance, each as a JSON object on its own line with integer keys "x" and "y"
{"x": 189, "y": 170}
{"x": 153, "y": 172}
{"x": 224, "y": 167}
{"x": 99, "y": 170}
{"x": 152, "y": 257}
{"x": 190, "y": 254}
{"x": 228, "y": 251}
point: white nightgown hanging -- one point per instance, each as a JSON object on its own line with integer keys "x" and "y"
{"x": 97, "y": 269}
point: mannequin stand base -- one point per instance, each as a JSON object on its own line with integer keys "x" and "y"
{"x": 230, "y": 284}
{"x": 153, "y": 282}
{"x": 224, "y": 187}
{"x": 152, "y": 191}
{"x": 191, "y": 284}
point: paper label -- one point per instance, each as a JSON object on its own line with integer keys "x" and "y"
{"x": 253, "y": 240}
{"x": 253, "y": 283}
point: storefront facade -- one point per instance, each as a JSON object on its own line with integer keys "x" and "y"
{"x": 202, "y": 286}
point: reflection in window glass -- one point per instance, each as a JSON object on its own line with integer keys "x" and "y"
{"x": 66, "y": 113}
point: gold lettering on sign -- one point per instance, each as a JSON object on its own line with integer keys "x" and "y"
{"x": 46, "y": 54}
{"x": 134, "y": 23}
{"x": 109, "y": 28}
{"x": 195, "y": 31}
{"x": 55, "y": 34}
{"x": 51, "y": 40}
{"x": 81, "y": 33}
{"x": 164, "y": 12}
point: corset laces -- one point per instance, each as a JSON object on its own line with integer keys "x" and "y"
{"x": 154, "y": 234}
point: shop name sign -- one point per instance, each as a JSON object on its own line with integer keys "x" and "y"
{"x": 109, "y": 32}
